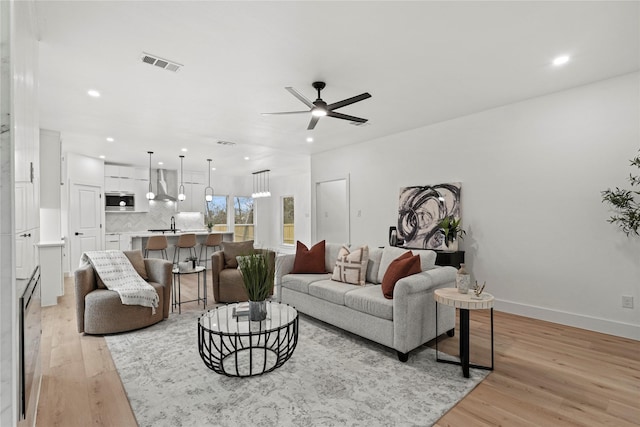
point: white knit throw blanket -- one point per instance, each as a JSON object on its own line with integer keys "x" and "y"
{"x": 117, "y": 273}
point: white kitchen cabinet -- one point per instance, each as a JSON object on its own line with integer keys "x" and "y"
{"x": 128, "y": 179}
{"x": 112, "y": 242}
{"x": 125, "y": 242}
{"x": 194, "y": 185}
{"x": 112, "y": 171}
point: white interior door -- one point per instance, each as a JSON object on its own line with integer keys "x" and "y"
{"x": 85, "y": 226}
{"x": 332, "y": 211}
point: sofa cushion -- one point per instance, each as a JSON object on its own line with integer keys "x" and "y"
{"x": 309, "y": 260}
{"x": 351, "y": 267}
{"x": 389, "y": 253}
{"x": 369, "y": 299}
{"x": 301, "y": 282}
{"x": 403, "y": 266}
{"x": 231, "y": 250}
{"x": 330, "y": 290}
{"x": 373, "y": 266}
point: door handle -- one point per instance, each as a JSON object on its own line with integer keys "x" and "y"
{"x": 24, "y": 235}
{"x": 79, "y": 234}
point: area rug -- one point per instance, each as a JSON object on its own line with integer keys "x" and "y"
{"x": 333, "y": 379}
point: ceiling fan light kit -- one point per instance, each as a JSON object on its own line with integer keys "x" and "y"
{"x": 319, "y": 108}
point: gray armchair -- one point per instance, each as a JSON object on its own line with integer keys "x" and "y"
{"x": 100, "y": 311}
{"x": 227, "y": 280}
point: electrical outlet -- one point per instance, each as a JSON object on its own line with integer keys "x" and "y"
{"x": 627, "y": 301}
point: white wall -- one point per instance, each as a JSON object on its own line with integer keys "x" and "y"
{"x": 531, "y": 178}
{"x": 269, "y": 212}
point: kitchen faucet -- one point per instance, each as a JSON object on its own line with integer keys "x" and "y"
{"x": 173, "y": 224}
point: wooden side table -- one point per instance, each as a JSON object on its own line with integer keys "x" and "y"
{"x": 464, "y": 302}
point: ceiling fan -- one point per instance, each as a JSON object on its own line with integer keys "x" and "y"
{"x": 319, "y": 108}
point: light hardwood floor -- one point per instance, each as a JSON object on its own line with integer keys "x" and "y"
{"x": 545, "y": 374}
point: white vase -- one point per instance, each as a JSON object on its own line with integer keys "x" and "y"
{"x": 463, "y": 280}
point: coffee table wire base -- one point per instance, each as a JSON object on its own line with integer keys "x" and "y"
{"x": 247, "y": 354}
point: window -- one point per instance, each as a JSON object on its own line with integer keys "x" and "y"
{"x": 216, "y": 213}
{"x": 243, "y": 219}
{"x": 288, "y": 235}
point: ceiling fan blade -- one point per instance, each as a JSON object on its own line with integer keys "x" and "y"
{"x": 345, "y": 117}
{"x": 313, "y": 122}
{"x": 285, "y": 112}
{"x": 349, "y": 101}
{"x": 300, "y": 96}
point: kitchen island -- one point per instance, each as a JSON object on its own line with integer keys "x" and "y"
{"x": 139, "y": 238}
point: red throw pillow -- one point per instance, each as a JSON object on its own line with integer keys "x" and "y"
{"x": 309, "y": 260}
{"x": 403, "y": 266}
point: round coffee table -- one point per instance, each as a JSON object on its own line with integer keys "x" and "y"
{"x": 237, "y": 347}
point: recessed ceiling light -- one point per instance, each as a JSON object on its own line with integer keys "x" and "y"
{"x": 110, "y": 139}
{"x": 161, "y": 163}
{"x": 561, "y": 60}
{"x": 309, "y": 139}
{"x": 101, "y": 156}
{"x": 213, "y": 169}
{"x": 184, "y": 150}
{"x": 93, "y": 93}
{"x": 246, "y": 158}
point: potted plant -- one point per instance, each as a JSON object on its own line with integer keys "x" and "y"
{"x": 209, "y": 226}
{"x": 625, "y": 204}
{"x": 451, "y": 229}
{"x": 257, "y": 276}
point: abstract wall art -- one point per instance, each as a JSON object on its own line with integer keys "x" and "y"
{"x": 421, "y": 208}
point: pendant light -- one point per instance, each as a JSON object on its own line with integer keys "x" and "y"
{"x": 150, "y": 194}
{"x": 181, "y": 195}
{"x": 261, "y": 184}
{"x": 208, "y": 191}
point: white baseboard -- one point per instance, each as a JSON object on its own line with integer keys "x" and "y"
{"x": 611, "y": 327}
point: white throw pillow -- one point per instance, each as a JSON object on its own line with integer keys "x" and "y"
{"x": 351, "y": 267}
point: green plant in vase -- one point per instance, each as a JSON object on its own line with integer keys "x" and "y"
{"x": 257, "y": 276}
{"x": 451, "y": 229}
{"x": 210, "y": 226}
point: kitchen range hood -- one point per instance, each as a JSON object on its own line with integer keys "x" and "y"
{"x": 164, "y": 192}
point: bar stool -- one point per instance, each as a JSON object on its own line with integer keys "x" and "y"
{"x": 156, "y": 243}
{"x": 185, "y": 241}
{"x": 213, "y": 241}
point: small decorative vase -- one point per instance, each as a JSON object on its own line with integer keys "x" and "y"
{"x": 257, "y": 310}
{"x": 463, "y": 280}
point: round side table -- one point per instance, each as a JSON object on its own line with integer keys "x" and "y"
{"x": 464, "y": 302}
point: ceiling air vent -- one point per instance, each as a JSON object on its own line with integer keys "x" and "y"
{"x": 165, "y": 64}
{"x": 226, "y": 143}
{"x": 359, "y": 123}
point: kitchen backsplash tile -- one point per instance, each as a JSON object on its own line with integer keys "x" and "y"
{"x": 159, "y": 216}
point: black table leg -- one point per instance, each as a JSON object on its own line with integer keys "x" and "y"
{"x": 464, "y": 341}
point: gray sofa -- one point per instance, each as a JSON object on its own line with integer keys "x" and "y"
{"x": 403, "y": 323}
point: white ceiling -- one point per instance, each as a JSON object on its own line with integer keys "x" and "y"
{"x": 422, "y": 62}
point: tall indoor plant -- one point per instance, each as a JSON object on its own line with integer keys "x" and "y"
{"x": 257, "y": 276}
{"x": 625, "y": 204}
